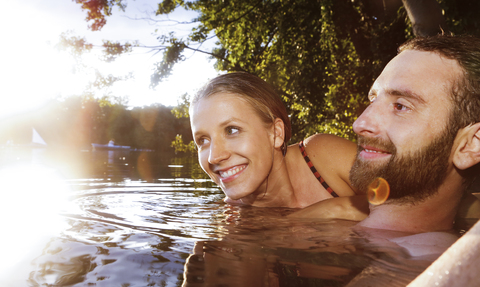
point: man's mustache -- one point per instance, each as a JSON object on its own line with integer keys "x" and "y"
{"x": 382, "y": 144}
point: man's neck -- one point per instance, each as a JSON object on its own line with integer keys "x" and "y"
{"x": 436, "y": 213}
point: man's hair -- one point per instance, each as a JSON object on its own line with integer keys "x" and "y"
{"x": 465, "y": 50}
{"x": 255, "y": 91}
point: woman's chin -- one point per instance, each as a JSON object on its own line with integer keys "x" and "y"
{"x": 233, "y": 201}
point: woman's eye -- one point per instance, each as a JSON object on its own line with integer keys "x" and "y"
{"x": 232, "y": 130}
{"x": 202, "y": 141}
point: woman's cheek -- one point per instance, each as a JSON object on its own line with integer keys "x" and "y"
{"x": 203, "y": 160}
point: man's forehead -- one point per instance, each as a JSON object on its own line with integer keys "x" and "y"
{"x": 419, "y": 75}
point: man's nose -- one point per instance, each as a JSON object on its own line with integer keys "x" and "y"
{"x": 218, "y": 152}
{"x": 370, "y": 121}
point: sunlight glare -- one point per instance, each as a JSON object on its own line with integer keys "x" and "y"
{"x": 32, "y": 198}
{"x": 33, "y": 71}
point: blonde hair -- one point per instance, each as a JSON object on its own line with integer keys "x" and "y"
{"x": 258, "y": 93}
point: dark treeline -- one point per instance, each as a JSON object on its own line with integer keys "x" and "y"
{"x": 78, "y": 121}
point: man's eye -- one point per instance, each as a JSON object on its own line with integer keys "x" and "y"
{"x": 232, "y": 130}
{"x": 400, "y": 107}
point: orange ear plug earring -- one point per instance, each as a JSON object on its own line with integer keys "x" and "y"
{"x": 378, "y": 191}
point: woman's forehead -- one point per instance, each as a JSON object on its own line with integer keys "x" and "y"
{"x": 222, "y": 103}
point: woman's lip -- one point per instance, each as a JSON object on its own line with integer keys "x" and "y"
{"x": 231, "y": 173}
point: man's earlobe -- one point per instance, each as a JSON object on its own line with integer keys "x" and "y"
{"x": 467, "y": 153}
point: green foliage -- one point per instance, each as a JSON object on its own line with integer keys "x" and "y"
{"x": 321, "y": 55}
{"x": 171, "y": 56}
{"x": 462, "y": 16}
{"x": 181, "y": 110}
{"x": 180, "y": 146}
{"x": 103, "y": 82}
{"x": 168, "y": 6}
{"x": 77, "y": 45}
{"x": 114, "y": 49}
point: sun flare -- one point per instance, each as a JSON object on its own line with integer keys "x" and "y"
{"x": 32, "y": 198}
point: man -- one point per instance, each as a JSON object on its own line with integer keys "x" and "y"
{"x": 421, "y": 133}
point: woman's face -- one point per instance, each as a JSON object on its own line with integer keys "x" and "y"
{"x": 234, "y": 145}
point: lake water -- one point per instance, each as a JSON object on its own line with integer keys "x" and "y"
{"x": 143, "y": 219}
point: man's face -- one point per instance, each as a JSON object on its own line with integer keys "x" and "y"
{"x": 403, "y": 134}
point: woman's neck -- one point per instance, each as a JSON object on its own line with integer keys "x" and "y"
{"x": 276, "y": 191}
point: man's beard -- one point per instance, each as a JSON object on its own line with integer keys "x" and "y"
{"x": 412, "y": 177}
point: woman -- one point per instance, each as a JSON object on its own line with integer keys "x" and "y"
{"x": 241, "y": 129}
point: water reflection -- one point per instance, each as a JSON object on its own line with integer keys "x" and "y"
{"x": 123, "y": 237}
{"x": 112, "y": 165}
{"x": 264, "y": 249}
{"x": 147, "y": 219}
{"x": 133, "y": 233}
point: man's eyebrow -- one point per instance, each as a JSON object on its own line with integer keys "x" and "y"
{"x": 406, "y": 94}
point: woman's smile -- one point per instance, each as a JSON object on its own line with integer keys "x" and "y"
{"x": 232, "y": 139}
{"x": 231, "y": 174}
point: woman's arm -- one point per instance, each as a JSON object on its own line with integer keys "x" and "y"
{"x": 349, "y": 208}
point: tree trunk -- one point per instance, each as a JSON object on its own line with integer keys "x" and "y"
{"x": 426, "y": 17}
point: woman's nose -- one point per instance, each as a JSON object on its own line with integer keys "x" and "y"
{"x": 218, "y": 152}
{"x": 370, "y": 121}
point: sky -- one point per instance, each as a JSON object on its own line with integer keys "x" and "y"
{"x": 34, "y": 71}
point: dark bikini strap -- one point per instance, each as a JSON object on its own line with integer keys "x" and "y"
{"x": 314, "y": 170}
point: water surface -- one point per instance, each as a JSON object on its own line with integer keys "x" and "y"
{"x": 142, "y": 219}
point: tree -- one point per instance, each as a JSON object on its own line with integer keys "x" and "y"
{"x": 321, "y": 55}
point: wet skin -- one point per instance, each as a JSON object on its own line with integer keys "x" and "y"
{"x": 410, "y": 104}
{"x": 234, "y": 145}
{"x": 410, "y": 107}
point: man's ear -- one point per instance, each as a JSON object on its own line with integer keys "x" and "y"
{"x": 467, "y": 152}
{"x": 279, "y": 130}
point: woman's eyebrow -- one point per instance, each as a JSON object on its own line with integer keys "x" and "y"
{"x": 197, "y": 134}
{"x": 229, "y": 120}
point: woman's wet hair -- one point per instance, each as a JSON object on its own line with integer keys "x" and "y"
{"x": 258, "y": 93}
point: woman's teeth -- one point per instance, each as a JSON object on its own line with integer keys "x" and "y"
{"x": 232, "y": 171}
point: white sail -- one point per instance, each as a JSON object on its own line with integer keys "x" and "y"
{"x": 37, "y": 139}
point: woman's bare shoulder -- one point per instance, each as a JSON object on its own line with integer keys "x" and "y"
{"x": 330, "y": 149}
{"x": 318, "y": 143}
{"x": 333, "y": 158}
